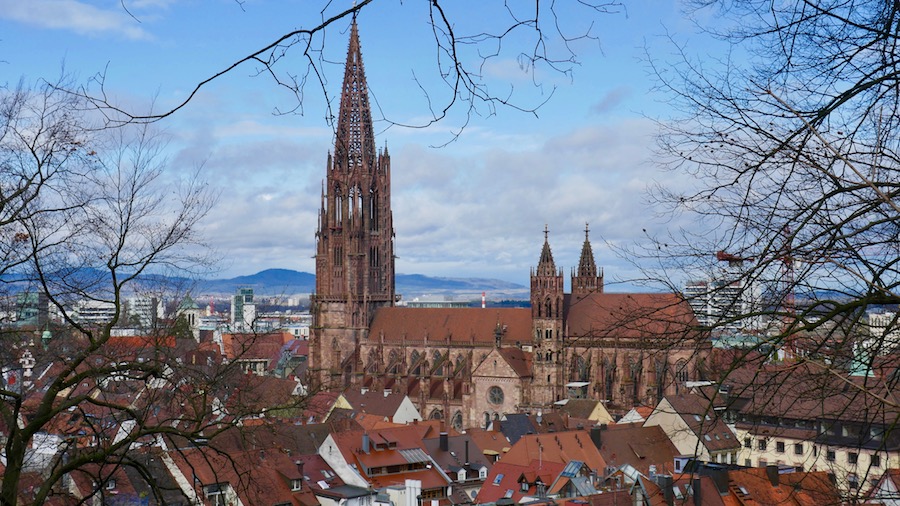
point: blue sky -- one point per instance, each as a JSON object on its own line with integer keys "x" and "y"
{"x": 473, "y": 208}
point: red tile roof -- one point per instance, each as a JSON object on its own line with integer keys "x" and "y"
{"x": 373, "y": 402}
{"x": 454, "y": 325}
{"x": 519, "y": 360}
{"x": 631, "y": 315}
{"x": 560, "y": 447}
{"x": 257, "y": 476}
{"x": 504, "y": 479}
{"x": 637, "y": 446}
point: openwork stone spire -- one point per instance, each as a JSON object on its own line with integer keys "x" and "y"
{"x": 355, "y": 144}
{"x": 355, "y": 256}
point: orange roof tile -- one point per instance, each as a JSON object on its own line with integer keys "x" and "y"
{"x": 455, "y": 325}
{"x": 559, "y": 447}
{"x": 503, "y": 479}
{"x": 631, "y": 315}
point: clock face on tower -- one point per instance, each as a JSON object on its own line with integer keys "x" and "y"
{"x": 495, "y": 395}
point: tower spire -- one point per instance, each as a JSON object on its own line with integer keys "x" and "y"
{"x": 585, "y": 279}
{"x": 586, "y": 265}
{"x": 546, "y": 266}
{"x": 355, "y": 143}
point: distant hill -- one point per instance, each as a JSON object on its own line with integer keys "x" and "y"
{"x": 290, "y": 282}
{"x": 267, "y": 282}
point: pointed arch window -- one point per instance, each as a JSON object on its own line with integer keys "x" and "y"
{"x": 609, "y": 375}
{"x": 374, "y": 257}
{"x": 457, "y": 421}
{"x": 372, "y": 365}
{"x": 338, "y": 255}
{"x": 414, "y": 361}
{"x": 338, "y": 207}
{"x": 681, "y": 371}
{"x": 581, "y": 371}
{"x": 373, "y": 211}
{"x": 394, "y": 362}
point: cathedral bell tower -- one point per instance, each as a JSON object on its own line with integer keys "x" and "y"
{"x": 547, "y": 304}
{"x": 585, "y": 279}
{"x": 355, "y": 235}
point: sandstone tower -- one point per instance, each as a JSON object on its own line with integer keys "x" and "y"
{"x": 355, "y": 236}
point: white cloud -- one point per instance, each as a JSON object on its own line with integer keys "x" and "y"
{"x": 79, "y": 17}
{"x": 476, "y": 208}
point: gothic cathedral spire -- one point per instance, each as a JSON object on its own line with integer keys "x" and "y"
{"x": 546, "y": 285}
{"x": 585, "y": 279}
{"x": 355, "y": 236}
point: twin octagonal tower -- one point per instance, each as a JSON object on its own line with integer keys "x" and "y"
{"x": 471, "y": 365}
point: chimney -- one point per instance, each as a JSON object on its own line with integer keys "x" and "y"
{"x": 695, "y": 491}
{"x": 596, "y": 435}
{"x": 444, "y": 442}
{"x": 772, "y": 474}
{"x": 365, "y": 442}
{"x": 299, "y": 464}
{"x": 665, "y": 483}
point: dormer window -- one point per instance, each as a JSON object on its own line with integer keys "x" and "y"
{"x": 296, "y": 484}
{"x": 524, "y": 486}
{"x": 215, "y": 494}
{"x": 111, "y": 484}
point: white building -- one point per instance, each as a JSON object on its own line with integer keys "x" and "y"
{"x": 142, "y": 311}
{"x": 94, "y": 311}
{"x": 724, "y": 298}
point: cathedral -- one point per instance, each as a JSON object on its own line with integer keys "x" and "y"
{"x": 473, "y": 365}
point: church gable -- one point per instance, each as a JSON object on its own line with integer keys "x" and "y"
{"x": 495, "y": 365}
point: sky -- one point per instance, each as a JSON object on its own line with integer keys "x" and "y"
{"x": 471, "y": 193}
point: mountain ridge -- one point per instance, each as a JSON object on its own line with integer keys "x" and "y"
{"x": 290, "y": 282}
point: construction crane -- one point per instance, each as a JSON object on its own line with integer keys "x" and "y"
{"x": 788, "y": 309}
{"x": 733, "y": 260}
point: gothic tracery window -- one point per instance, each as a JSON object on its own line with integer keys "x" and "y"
{"x": 495, "y": 395}
{"x": 457, "y": 421}
{"x": 414, "y": 360}
{"x": 681, "y": 373}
